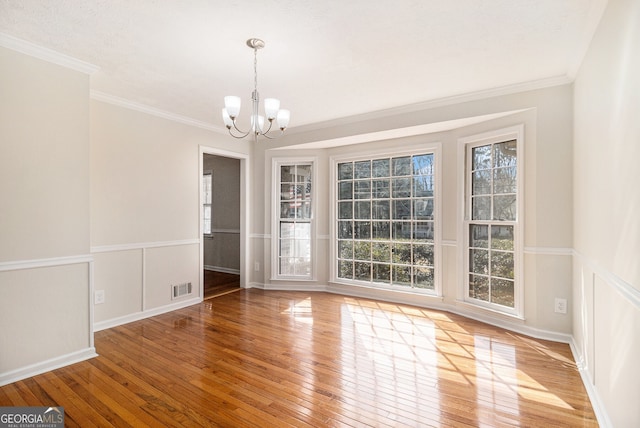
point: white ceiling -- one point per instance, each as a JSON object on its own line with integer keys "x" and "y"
{"x": 324, "y": 59}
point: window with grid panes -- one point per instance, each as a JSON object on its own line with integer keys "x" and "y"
{"x": 295, "y": 217}
{"x": 492, "y": 205}
{"x": 385, "y": 221}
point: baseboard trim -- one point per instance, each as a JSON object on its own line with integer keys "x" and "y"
{"x": 46, "y": 366}
{"x": 222, "y": 269}
{"x": 596, "y": 402}
{"x": 137, "y": 316}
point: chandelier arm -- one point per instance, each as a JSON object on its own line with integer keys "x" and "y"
{"x": 271, "y": 137}
{"x": 244, "y": 134}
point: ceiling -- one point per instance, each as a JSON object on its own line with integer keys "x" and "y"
{"x": 324, "y": 59}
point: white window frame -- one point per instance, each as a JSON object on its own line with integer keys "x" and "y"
{"x": 405, "y": 150}
{"x": 275, "y": 216}
{"x": 464, "y": 217}
{"x": 205, "y": 204}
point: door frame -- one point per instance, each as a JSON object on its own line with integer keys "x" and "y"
{"x": 244, "y": 210}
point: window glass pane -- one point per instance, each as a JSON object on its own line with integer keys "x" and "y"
{"x": 362, "y": 271}
{"x": 287, "y": 248}
{"x": 504, "y": 180}
{"x": 345, "y": 230}
{"x": 287, "y": 230}
{"x": 479, "y": 287}
{"x": 502, "y": 292}
{"x": 401, "y": 166}
{"x": 286, "y": 192}
{"x": 505, "y": 154}
{"x": 345, "y": 190}
{"x": 479, "y": 236}
{"x": 362, "y": 169}
{"x": 287, "y": 266}
{"x": 481, "y": 182}
{"x": 380, "y": 168}
{"x": 381, "y": 273}
{"x": 481, "y": 207}
{"x": 303, "y": 211}
{"x": 287, "y": 174}
{"x": 401, "y": 253}
{"x": 401, "y": 187}
{"x": 345, "y": 171}
{"x": 481, "y": 157}
{"x": 423, "y": 277}
{"x": 422, "y": 186}
{"x": 402, "y": 209}
{"x": 502, "y": 264}
{"x": 401, "y": 275}
{"x": 303, "y": 231}
{"x": 362, "y": 189}
{"x": 401, "y": 230}
{"x": 381, "y": 230}
{"x": 303, "y": 267}
{"x": 345, "y": 269}
{"x": 380, "y": 189}
{"x": 423, "y": 165}
{"x": 380, "y": 210}
{"x": 362, "y": 210}
{"x": 345, "y": 249}
{"x": 287, "y": 210}
{"x": 345, "y": 209}
{"x": 381, "y": 252}
{"x": 504, "y": 207}
{"x": 362, "y": 230}
{"x": 423, "y": 209}
{"x": 423, "y": 255}
{"x": 423, "y": 231}
{"x": 479, "y": 261}
{"x": 303, "y": 173}
{"x": 362, "y": 250}
{"x": 502, "y": 237}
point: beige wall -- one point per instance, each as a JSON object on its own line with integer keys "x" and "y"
{"x": 145, "y": 210}
{"x": 606, "y": 280}
{"x": 44, "y": 215}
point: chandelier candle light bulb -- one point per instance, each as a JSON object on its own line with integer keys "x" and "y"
{"x": 272, "y": 108}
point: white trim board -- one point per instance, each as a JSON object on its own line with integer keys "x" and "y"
{"x": 46, "y": 366}
{"x": 42, "y": 263}
{"x": 147, "y": 313}
{"x": 46, "y": 54}
{"x": 142, "y": 245}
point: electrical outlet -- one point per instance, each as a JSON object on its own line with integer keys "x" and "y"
{"x": 561, "y": 306}
{"x": 256, "y": 266}
{"x": 99, "y": 297}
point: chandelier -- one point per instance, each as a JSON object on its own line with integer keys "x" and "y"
{"x": 271, "y": 107}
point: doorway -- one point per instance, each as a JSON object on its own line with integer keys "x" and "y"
{"x": 222, "y": 222}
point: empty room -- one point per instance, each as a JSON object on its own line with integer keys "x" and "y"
{"x": 320, "y": 213}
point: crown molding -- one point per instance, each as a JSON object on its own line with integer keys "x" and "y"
{"x": 46, "y": 54}
{"x": 143, "y": 108}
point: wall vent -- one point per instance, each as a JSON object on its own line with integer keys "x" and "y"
{"x": 180, "y": 290}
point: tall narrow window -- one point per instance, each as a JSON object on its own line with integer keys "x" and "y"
{"x": 294, "y": 220}
{"x": 385, "y": 222}
{"x": 207, "y": 189}
{"x": 492, "y": 221}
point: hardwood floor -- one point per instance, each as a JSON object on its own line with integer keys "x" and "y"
{"x": 276, "y": 358}
{"x": 219, "y": 283}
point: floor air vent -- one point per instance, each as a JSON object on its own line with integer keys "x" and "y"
{"x": 180, "y": 290}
